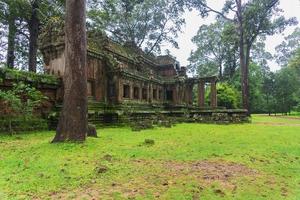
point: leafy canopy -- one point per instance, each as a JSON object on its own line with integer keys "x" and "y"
{"x": 143, "y": 23}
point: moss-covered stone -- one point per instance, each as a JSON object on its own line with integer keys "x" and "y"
{"x": 91, "y": 131}
{"x": 18, "y": 75}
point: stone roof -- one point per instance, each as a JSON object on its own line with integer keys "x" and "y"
{"x": 98, "y": 43}
{"x": 166, "y": 60}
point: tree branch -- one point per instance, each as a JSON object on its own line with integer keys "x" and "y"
{"x": 209, "y": 9}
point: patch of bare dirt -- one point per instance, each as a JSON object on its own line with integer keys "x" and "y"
{"x": 276, "y": 124}
{"x": 287, "y": 117}
{"x": 159, "y": 176}
{"x": 208, "y": 172}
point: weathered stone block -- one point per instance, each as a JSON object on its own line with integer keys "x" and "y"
{"x": 91, "y": 131}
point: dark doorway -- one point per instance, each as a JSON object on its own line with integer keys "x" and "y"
{"x": 136, "y": 93}
{"x": 169, "y": 95}
{"x": 160, "y": 95}
{"x": 154, "y": 94}
{"x": 126, "y": 91}
{"x": 144, "y": 93}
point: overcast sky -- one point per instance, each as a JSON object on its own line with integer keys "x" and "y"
{"x": 291, "y": 8}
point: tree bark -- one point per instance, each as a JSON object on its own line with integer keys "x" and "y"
{"x": 72, "y": 125}
{"x": 12, "y": 29}
{"x": 246, "y": 95}
{"x": 33, "y": 26}
{"x": 220, "y": 70}
{"x": 244, "y": 59}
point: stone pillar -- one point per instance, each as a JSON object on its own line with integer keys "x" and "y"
{"x": 201, "y": 93}
{"x": 119, "y": 90}
{"x": 174, "y": 101}
{"x": 148, "y": 86}
{"x": 131, "y": 90}
{"x": 150, "y": 95}
{"x": 190, "y": 94}
{"x": 140, "y": 92}
{"x": 213, "y": 94}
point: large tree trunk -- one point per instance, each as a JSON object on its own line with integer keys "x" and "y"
{"x": 12, "y": 29}
{"x": 33, "y": 36}
{"x": 244, "y": 78}
{"x": 246, "y": 95}
{"x": 244, "y": 59}
{"x": 72, "y": 125}
{"x": 220, "y": 70}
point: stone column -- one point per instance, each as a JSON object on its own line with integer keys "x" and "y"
{"x": 190, "y": 94}
{"x": 119, "y": 90}
{"x": 213, "y": 94}
{"x": 148, "y": 92}
{"x": 150, "y": 95}
{"x": 140, "y": 92}
{"x": 131, "y": 90}
{"x": 174, "y": 100}
{"x": 201, "y": 93}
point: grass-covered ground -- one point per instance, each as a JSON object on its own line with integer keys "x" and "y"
{"x": 189, "y": 161}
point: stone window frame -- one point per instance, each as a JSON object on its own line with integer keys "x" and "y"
{"x": 160, "y": 94}
{"x": 136, "y": 92}
{"x": 169, "y": 95}
{"x": 144, "y": 93}
{"x": 126, "y": 91}
{"x": 154, "y": 93}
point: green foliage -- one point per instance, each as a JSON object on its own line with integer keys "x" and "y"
{"x": 287, "y": 85}
{"x": 274, "y": 92}
{"x": 139, "y": 23}
{"x": 294, "y": 62}
{"x": 17, "y": 15}
{"x": 256, "y": 78}
{"x": 260, "y": 55}
{"x": 21, "y": 124}
{"x": 17, "y": 75}
{"x": 215, "y": 49}
{"x": 228, "y": 96}
{"x": 288, "y": 48}
{"x": 32, "y": 167}
{"x": 18, "y": 105}
{"x": 29, "y": 96}
{"x": 10, "y": 103}
{"x": 252, "y": 20}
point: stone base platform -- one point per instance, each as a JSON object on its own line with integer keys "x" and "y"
{"x": 102, "y": 114}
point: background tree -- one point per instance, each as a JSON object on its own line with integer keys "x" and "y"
{"x": 10, "y": 11}
{"x": 252, "y": 19}
{"x": 145, "y": 24}
{"x": 287, "y": 84}
{"x": 23, "y": 19}
{"x": 213, "y": 49}
{"x": 294, "y": 64}
{"x": 288, "y": 48}
{"x": 269, "y": 92}
{"x": 37, "y": 12}
{"x": 261, "y": 56}
{"x": 72, "y": 125}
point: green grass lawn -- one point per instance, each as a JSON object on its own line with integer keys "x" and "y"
{"x": 189, "y": 161}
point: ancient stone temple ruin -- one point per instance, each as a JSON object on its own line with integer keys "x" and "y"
{"x": 124, "y": 83}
